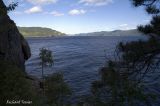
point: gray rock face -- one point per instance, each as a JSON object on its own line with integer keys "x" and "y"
{"x": 13, "y": 47}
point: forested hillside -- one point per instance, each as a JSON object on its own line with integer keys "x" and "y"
{"x": 38, "y": 32}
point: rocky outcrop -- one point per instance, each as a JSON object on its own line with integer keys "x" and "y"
{"x": 13, "y": 47}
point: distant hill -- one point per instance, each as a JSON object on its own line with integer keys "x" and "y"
{"x": 132, "y": 32}
{"x": 39, "y": 32}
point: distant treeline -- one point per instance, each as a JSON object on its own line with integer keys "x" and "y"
{"x": 131, "y": 32}
{"x": 39, "y": 32}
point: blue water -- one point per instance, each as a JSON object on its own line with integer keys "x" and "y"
{"x": 78, "y": 58}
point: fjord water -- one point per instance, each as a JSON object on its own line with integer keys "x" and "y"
{"x": 79, "y": 58}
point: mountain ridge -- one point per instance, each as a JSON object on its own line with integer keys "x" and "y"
{"x": 133, "y": 32}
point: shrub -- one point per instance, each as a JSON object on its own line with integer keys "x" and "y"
{"x": 56, "y": 89}
{"x": 14, "y": 85}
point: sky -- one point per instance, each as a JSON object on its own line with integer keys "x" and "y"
{"x": 78, "y": 16}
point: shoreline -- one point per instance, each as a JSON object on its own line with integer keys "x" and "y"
{"x": 42, "y": 36}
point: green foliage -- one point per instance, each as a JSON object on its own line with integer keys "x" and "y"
{"x": 46, "y": 57}
{"x": 152, "y": 10}
{"x": 117, "y": 89}
{"x": 152, "y": 6}
{"x": 12, "y": 6}
{"x": 38, "y": 31}
{"x": 56, "y": 89}
{"x": 152, "y": 29}
{"x": 5, "y": 9}
{"x": 14, "y": 85}
{"x": 125, "y": 78}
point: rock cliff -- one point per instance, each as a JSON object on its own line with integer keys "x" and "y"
{"x": 13, "y": 47}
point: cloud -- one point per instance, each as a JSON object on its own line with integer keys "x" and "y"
{"x": 56, "y": 13}
{"x": 77, "y": 12}
{"x": 35, "y": 9}
{"x": 96, "y": 2}
{"x": 123, "y": 25}
{"x": 42, "y": 1}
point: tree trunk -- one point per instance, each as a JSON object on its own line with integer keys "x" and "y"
{"x": 43, "y": 79}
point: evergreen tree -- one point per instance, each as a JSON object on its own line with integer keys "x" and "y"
{"x": 46, "y": 58}
{"x": 129, "y": 78}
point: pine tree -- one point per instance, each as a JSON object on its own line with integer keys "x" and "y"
{"x": 129, "y": 78}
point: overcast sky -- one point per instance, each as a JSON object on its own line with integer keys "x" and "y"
{"x": 79, "y": 16}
